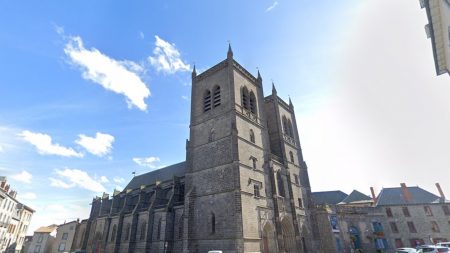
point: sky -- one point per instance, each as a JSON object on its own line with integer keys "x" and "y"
{"x": 92, "y": 91}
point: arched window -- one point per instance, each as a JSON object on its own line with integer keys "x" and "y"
{"x": 213, "y": 223}
{"x": 280, "y": 184}
{"x": 245, "y": 98}
{"x": 253, "y": 162}
{"x": 285, "y": 127}
{"x": 252, "y": 136}
{"x": 127, "y": 232}
{"x": 113, "y": 233}
{"x": 289, "y": 124}
{"x": 252, "y": 102}
{"x": 291, "y": 156}
{"x": 158, "y": 235}
{"x": 216, "y": 96}
{"x": 207, "y": 101}
{"x": 143, "y": 230}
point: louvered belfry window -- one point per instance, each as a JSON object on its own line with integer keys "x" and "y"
{"x": 207, "y": 101}
{"x": 217, "y": 96}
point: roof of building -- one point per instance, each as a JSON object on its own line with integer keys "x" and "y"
{"x": 47, "y": 229}
{"x": 394, "y": 196}
{"x": 164, "y": 174}
{"x": 328, "y": 197}
{"x": 356, "y": 196}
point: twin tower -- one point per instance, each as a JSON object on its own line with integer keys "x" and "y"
{"x": 244, "y": 186}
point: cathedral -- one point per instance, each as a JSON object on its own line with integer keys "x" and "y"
{"x": 243, "y": 187}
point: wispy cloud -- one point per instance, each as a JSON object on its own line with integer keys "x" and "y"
{"x": 104, "y": 179}
{"x": 100, "y": 145}
{"x": 121, "y": 77}
{"x": 27, "y": 196}
{"x": 151, "y": 162}
{"x": 45, "y": 145}
{"x": 69, "y": 178}
{"x": 167, "y": 58}
{"x": 119, "y": 180}
{"x": 185, "y": 98}
{"x": 141, "y": 35}
{"x": 1, "y": 149}
{"x": 23, "y": 177}
{"x": 272, "y": 6}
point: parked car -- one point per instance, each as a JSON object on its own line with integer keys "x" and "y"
{"x": 445, "y": 244}
{"x": 431, "y": 249}
{"x": 405, "y": 250}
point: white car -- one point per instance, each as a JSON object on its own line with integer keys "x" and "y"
{"x": 406, "y": 250}
{"x": 445, "y": 244}
{"x": 432, "y": 249}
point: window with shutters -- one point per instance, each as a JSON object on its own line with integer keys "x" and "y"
{"x": 411, "y": 227}
{"x": 394, "y": 227}
{"x": 216, "y": 100}
{"x": 245, "y": 98}
{"x": 446, "y": 210}
{"x": 256, "y": 190}
{"x": 389, "y": 212}
{"x": 435, "y": 227}
{"x": 406, "y": 211}
{"x": 207, "y": 101}
{"x": 252, "y": 103}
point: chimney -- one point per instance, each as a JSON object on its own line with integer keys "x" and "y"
{"x": 374, "y": 197}
{"x": 406, "y": 194}
{"x": 441, "y": 193}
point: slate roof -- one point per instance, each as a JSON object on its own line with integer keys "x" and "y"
{"x": 394, "y": 196}
{"x": 164, "y": 174}
{"x": 356, "y": 196}
{"x": 328, "y": 197}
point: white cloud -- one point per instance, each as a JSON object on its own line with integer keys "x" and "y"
{"x": 185, "y": 98}
{"x": 167, "y": 57}
{"x": 272, "y": 6}
{"x": 27, "y": 196}
{"x": 23, "y": 177}
{"x": 44, "y": 145}
{"x": 99, "y": 145}
{"x": 69, "y": 178}
{"x": 151, "y": 162}
{"x": 104, "y": 179}
{"x": 121, "y": 77}
{"x": 1, "y": 149}
{"x": 118, "y": 180}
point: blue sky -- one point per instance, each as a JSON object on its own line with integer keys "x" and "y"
{"x": 91, "y": 91}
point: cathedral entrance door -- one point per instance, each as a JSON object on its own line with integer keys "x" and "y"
{"x": 288, "y": 235}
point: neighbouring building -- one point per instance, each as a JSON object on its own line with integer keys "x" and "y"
{"x": 65, "y": 237}
{"x": 348, "y": 223}
{"x": 438, "y": 30}
{"x": 414, "y": 216}
{"x": 43, "y": 240}
{"x": 14, "y": 219}
{"x": 398, "y": 217}
{"x": 244, "y": 186}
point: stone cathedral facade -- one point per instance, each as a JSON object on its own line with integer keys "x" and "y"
{"x": 244, "y": 186}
